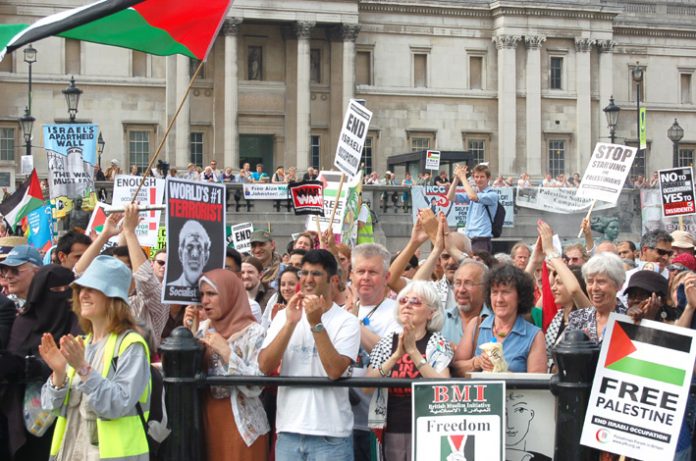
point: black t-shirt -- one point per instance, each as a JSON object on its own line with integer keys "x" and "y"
{"x": 399, "y": 401}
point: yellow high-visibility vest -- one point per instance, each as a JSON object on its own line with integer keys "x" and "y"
{"x": 122, "y": 438}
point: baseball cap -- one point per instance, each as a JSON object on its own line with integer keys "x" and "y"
{"x": 107, "y": 275}
{"x": 22, "y": 254}
{"x": 685, "y": 259}
{"x": 261, "y": 236}
{"x": 648, "y": 281}
{"x": 682, "y": 239}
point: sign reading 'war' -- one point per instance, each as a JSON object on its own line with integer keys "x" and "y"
{"x": 605, "y": 175}
{"x": 677, "y": 191}
{"x": 352, "y": 138}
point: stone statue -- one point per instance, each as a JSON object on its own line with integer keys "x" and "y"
{"x": 608, "y": 226}
{"x": 78, "y": 217}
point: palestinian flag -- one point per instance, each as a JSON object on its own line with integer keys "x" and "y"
{"x": 461, "y": 446}
{"x": 27, "y": 198}
{"x": 161, "y": 27}
{"x": 632, "y": 349}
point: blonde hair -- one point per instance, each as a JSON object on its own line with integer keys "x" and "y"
{"x": 118, "y": 314}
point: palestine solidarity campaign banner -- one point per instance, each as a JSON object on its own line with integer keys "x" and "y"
{"x": 195, "y": 237}
{"x": 72, "y": 153}
{"x": 640, "y": 389}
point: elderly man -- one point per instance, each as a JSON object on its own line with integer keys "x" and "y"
{"x": 655, "y": 254}
{"x": 313, "y": 336}
{"x": 520, "y": 255}
{"x": 469, "y": 297}
{"x": 18, "y": 270}
{"x": 194, "y": 251}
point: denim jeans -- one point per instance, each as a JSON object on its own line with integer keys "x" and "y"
{"x": 295, "y": 447}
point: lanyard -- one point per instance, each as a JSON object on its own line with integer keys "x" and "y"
{"x": 366, "y": 320}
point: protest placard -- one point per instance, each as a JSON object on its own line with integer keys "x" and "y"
{"x": 352, "y": 138}
{"x": 460, "y": 420}
{"x": 196, "y": 237}
{"x": 559, "y": 200}
{"x": 307, "y": 197}
{"x": 435, "y": 198}
{"x": 607, "y": 171}
{"x": 241, "y": 236}
{"x": 432, "y": 160}
{"x": 255, "y": 191}
{"x": 652, "y": 218}
{"x": 640, "y": 389}
{"x": 152, "y": 193}
{"x": 72, "y": 153}
{"x": 677, "y": 191}
{"x": 345, "y": 222}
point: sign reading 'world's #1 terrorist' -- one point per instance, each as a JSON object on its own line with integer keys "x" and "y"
{"x": 677, "y": 191}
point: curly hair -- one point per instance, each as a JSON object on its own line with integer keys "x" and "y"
{"x": 507, "y": 274}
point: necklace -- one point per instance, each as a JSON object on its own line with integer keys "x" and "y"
{"x": 500, "y": 334}
{"x": 366, "y": 320}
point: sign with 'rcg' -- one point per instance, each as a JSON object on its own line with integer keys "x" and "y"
{"x": 677, "y": 191}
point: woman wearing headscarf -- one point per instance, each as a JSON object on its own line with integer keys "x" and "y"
{"x": 47, "y": 310}
{"x": 234, "y": 419}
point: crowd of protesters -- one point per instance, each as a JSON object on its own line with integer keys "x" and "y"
{"x": 312, "y": 307}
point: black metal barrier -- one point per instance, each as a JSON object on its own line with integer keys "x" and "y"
{"x": 181, "y": 354}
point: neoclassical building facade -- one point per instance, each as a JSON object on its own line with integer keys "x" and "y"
{"x": 520, "y": 84}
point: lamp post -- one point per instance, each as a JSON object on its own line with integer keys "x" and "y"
{"x": 72, "y": 97}
{"x": 100, "y": 148}
{"x": 637, "y": 74}
{"x": 612, "y": 114}
{"x": 675, "y": 134}
{"x": 27, "y": 124}
{"x": 29, "y": 58}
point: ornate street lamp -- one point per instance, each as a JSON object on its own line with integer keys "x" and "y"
{"x": 637, "y": 75}
{"x": 27, "y": 124}
{"x": 72, "y": 97}
{"x": 612, "y": 114}
{"x": 675, "y": 134}
{"x": 29, "y": 58}
{"x": 100, "y": 148}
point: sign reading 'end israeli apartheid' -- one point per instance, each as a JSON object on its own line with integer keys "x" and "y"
{"x": 605, "y": 175}
{"x": 640, "y": 389}
{"x": 458, "y": 420}
{"x": 352, "y": 138}
{"x": 677, "y": 191}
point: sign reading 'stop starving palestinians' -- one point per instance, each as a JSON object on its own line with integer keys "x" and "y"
{"x": 196, "y": 237}
{"x": 640, "y": 389}
{"x": 605, "y": 175}
{"x": 352, "y": 138}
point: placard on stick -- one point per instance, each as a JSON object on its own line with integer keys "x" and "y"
{"x": 607, "y": 171}
{"x": 432, "y": 160}
{"x": 677, "y": 191}
{"x": 352, "y": 138}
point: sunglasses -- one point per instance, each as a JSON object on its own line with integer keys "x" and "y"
{"x": 160, "y": 262}
{"x": 663, "y": 252}
{"x": 412, "y": 301}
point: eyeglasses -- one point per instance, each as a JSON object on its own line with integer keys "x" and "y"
{"x": 12, "y": 271}
{"x": 160, "y": 262}
{"x": 412, "y": 301}
{"x": 663, "y": 252}
{"x": 468, "y": 284}
{"x": 312, "y": 273}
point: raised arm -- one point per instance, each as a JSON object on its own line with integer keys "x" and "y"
{"x": 418, "y": 237}
{"x": 426, "y": 269}
{"x": 111, "y": 228}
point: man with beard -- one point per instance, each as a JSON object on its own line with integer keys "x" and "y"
{"x": 469, "y": 298}
{"x": 194, "y": 250}
{"x": 263, "y": 248}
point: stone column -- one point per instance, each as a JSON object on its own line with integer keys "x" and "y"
{"x": 606, "y": 80}
{"x": 342, "y": 77}
{"x": 507, "y": 103}
{"x": 583, "y": 107}
{"x": 230, "y": 30}
{"x": 170, "y": 107}
{"x": 182, "y": 125}
{"x": 303, "y": 32}
{"x": 533, "y": 107}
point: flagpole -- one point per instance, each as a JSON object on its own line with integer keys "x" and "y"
{"x": 589, "y": 213}
{"x": 169, "y": 128}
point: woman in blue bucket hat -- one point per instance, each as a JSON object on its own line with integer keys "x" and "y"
{"x": 100, "y": 385}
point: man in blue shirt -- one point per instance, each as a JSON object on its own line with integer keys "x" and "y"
{"x": 259, "y": 175}
{"x": 480, "y": 197}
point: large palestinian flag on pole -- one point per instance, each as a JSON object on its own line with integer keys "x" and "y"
{"x": 160, "y": 27}
{"x": 27, "y": 198}
{"x": 640, "y": 388}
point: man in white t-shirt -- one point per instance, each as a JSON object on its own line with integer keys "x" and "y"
{"x": 376, "y": 312}
{"x": 313, "y": 336}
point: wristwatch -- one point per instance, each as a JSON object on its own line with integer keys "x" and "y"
{"x": 318, "y": 328}
{"x": 551, "y": 255}
{"x": 84, "y": 371}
